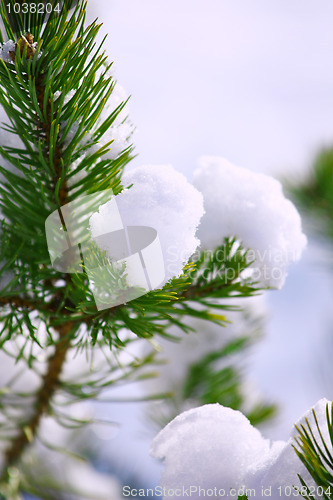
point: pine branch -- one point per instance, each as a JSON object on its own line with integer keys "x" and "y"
{"x": 50, "y": 382}
{"x": 214, "y": 375}
{"x": 316, "y": 455}
{"x": 51, "y": 379}
{"x": 314, "y": 194}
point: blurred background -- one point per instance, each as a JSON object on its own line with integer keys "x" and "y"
{"x": 250, "y": 81}
{"x": 247, "y": 80}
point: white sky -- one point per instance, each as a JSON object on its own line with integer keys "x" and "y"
{"x": 248, "y": 80}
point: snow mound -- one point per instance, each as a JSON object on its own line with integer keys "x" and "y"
{"x": 251, "y": 207}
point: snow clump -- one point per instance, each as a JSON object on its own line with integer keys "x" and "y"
{"x": 160, "y": 198}
{"x": 251, "y": 207}
{"x": 215, "y": 450}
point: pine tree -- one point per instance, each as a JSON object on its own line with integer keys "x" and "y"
{"x": 55, "y": 83}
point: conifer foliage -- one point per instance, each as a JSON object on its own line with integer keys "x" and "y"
{"x": 55, "y": 82}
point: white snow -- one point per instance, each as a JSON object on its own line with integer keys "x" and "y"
{"x": 8, "y": 139}
{"x": 216, "y": 447}
{"x": 251, "y": 207}
{"x": 163, "y": 199}
{"x": 7, "y": 47}
{"x": 211, "y": 446}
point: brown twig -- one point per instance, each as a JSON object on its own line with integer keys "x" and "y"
{"x": 50, "y": 383}
{"x": 51, "y": 379}
{"x": 18, "y": 302}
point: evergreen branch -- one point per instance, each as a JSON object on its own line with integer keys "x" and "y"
{"x": 316, "y": 455}
{"x": 215, "y": 377}
{"x": 314, "y": 194}
{"x": 50, "y": 383}
{"x": 52, "y": 153}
